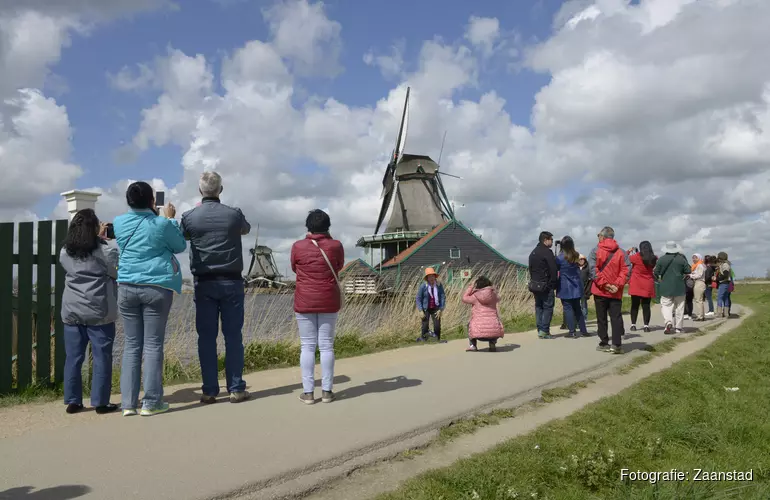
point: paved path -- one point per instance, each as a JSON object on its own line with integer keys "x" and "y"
{"x": 196, "y": 452}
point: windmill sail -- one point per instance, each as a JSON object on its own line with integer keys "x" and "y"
{"x": 389, "y": 179}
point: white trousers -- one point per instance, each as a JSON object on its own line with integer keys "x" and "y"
{"x": 673, "y": 310}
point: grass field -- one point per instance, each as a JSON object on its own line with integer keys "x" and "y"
{"x": 687, "y": 418}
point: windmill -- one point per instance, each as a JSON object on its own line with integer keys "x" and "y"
{"x": 263, "y": 271}
{"x": 412, "y": 190}
{"x": 414, "y": 196}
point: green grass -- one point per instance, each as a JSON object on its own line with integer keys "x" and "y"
{"x": 682, "y": 418}
{"x": 34, "y": 394}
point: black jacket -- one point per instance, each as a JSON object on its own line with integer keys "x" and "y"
{"x": 585, "y": 276}
{"x": 542, "y": 266}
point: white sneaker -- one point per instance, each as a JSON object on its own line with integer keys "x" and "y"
{"x": 686, "y": 316}
{"x": 129, "y": 413}
{"x": 148, "y": 412}
{"x": 679, "y": 331}
{"x": 710, "y": 314}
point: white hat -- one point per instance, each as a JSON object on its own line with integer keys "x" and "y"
{"x": 671, "y": 247}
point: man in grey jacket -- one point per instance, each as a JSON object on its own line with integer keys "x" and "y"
{"x": 216, "y": 261}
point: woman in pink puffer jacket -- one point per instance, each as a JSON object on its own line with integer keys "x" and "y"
{"x": 485, "y": 321}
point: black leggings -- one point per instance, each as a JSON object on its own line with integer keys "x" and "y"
{"x": 645, "y": 302}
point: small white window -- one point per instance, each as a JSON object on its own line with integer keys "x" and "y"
{"x": 454, "y": 253}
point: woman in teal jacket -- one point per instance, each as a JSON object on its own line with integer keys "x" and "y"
{"x": 148, "y": 276}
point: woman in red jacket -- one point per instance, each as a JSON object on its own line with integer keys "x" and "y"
{"x": 317, "y": 260}
{"x": 641, "y": 286}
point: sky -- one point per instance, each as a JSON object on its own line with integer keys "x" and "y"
{"x": 650, "y": 116}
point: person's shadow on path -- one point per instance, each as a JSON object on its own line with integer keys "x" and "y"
{"x": 56, "y": 493}
{"x": 377, "y": 386}
{"x": 191, "y": 396}
{"x": 504, "y": 348}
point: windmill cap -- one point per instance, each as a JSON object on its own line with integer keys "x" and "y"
{"x": 430, "y": 271}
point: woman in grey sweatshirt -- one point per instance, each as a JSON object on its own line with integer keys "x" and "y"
{"x": 89, "y": 309}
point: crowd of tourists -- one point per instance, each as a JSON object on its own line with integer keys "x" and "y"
{"x": 685, "y": 287}
{"x": 129, "y": 269}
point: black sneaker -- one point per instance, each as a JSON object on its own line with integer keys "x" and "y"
{"x": 646, "y": 329}
{"x": 74, "y": 408}
{"x": 604, "y": 348}
{"x": 108, "y": 408}
{"x": 563, "y": 327}
{"x": 492, "y": 348}
{"x": 615, "y": 349}
{"x": 633, "y": 328}
{"x": 327, "y": 396}
{"x": 208, "y": 400}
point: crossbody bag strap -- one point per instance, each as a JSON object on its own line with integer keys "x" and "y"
{"x": 612, "y": 254}
{"x": 331, "y": 268}
{"x": 129, "y": 239}
{"x": 667, "y": 266}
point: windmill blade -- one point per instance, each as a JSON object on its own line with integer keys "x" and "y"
{"x": 254, "y": 252}
{"x": 404, "y": 127}
{"x": 450, "y": 175}
{"x": 388, "y": 178}
{"x": 401, "y": 140}
{"x": 251, "y": 266}
{"x": 384, "y": 209}
{"x": 444, "y": 198}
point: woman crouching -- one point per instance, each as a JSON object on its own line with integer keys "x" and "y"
{"x": 485, "y": 321}
{"x": 89, "y": 309}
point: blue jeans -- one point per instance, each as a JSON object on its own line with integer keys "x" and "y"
{"x": 710, "y": 298}
{"x": 584, "y": 307}
{"x": 145, "y": 313}
{"x": 76, "y": 338}
{"x": 215, "y": 299}
{"x": 544, "y": 303}
{"x": 723, "y": 295}
{"x": 316, "y": 330}
{"x": 574, "y": 312}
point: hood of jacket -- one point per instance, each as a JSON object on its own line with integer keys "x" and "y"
{"x": 608, "y": 245}
{"x": 485, "y": 296}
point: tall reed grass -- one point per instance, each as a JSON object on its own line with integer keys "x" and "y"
{"x": 366, "y": 323}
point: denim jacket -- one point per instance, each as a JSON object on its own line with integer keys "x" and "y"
{"x": 147, "y": 245}
{"x": 423, "y": 299}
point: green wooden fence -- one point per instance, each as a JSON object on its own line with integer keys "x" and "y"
{"x": 28, "y": 319}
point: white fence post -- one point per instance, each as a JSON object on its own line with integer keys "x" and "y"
{"x": 78, "y": 200}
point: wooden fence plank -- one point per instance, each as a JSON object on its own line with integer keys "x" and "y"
{"x": 6, "y": 306}
{"x": 43, "y": 337}
{"x": 24, "y": 315}
{"x": 61, "y": 233}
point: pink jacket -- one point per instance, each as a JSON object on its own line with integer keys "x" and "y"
{"x": 485, "y": 322}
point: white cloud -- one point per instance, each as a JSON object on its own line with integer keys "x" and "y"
{"x": 654, "y": 121}
{"x": 391, "y": 65}
{"x": 303, "y": 34}
{"x": 35, "y": 132}
{"x": 483, "y": 32}
{"x": 30, "y": 171}
{"x": 127, "y": 80}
